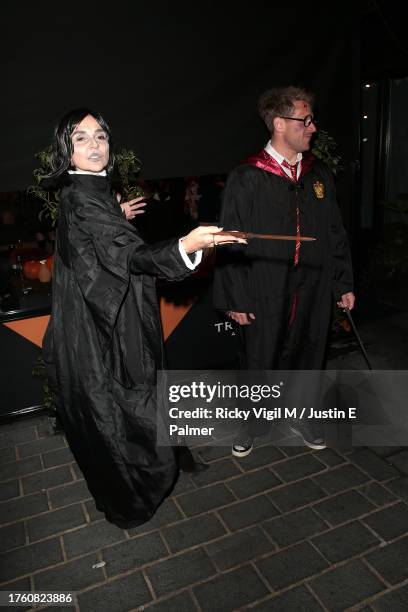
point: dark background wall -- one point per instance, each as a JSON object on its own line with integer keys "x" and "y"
{"x": 383, "y": 40}
{"x": 177, "y": 81}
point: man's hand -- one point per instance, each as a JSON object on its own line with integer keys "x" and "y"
{"x": 242, "y": 318}
{"x": 347, "y": 301}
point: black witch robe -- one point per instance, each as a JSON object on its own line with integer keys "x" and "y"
{"x": 261, "y": 278}
{"x": 102, "y": 348}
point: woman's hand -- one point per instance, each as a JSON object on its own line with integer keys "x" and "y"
{"x": 206, "y": 237}
{"x": 132, "y": 208}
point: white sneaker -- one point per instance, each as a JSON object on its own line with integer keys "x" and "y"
{"x": 241, "y": 447}
{"x": 311, "y": 434}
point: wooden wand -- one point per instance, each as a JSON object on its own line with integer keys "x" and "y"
{"x": 251, "y": 235}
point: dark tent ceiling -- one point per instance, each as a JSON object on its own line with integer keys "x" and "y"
{"x": 177, "y": 81}
{"x": 384, "y": 46}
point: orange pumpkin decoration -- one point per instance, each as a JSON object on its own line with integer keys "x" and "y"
{"x": 44, "y": 274}
{"x": 50, "y": 262}
{"x": 31, "y": 269}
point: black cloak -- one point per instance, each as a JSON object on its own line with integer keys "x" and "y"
{"x": 102, "y": 347}
{"x": 261, "y": 278}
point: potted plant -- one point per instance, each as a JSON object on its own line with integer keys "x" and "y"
{"x": 326, "y": 149}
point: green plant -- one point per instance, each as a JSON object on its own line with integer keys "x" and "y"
{"x": 40, "y": 372}
{"x": 49, "y": 197}
{"x": 399, "y": 205}
{"x": 127, "y": 168}
{"x": 326, "y": 149}
{"x": 389, "y": 258}
{"x": 48, "y": 397}
{"x": 124, "y": 180}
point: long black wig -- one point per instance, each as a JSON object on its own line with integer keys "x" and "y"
{"x": 62, "y": 148}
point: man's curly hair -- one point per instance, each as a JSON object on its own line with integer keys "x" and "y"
{"x": 278, "y": 102}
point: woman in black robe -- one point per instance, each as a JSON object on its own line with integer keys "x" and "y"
{"x": 103, "y": 343}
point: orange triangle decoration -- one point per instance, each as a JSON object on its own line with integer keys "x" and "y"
{"x": 171, "y": 315}
{"x": 32, "y": 329}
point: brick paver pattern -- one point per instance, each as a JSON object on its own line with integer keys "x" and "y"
{"x": 282, "y": 529}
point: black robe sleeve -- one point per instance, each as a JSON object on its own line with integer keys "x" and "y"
{"x": 231, "y": 289}
{"x": 104, "y": 251}
{"x": 161, "y": 259}
{"x": 342, "y": 269}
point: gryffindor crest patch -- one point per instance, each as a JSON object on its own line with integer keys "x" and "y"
{"x": 319, "y": 190}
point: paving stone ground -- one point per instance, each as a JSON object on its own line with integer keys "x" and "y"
{"x": 285, "y": 529}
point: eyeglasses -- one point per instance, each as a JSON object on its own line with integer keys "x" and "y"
{"x": 306, "y": 120}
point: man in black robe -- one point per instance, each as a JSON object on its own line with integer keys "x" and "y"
{"x": 280, "y": 292}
